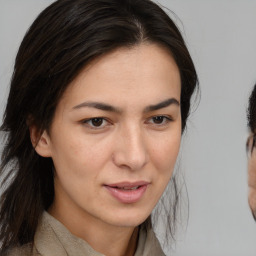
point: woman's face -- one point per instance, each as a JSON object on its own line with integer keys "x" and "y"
{"x": 115, "y": 136}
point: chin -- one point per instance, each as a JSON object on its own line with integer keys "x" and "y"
{"x": 132, "y": 219}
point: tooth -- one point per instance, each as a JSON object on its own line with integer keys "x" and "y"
{"x": 129, "y": 188}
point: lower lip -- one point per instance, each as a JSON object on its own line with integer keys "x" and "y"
{"x": 127, "y": 196}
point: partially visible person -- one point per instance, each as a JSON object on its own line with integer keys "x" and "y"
{"x": 251, "y": 144}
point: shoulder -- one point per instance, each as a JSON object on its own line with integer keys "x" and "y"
{"x": 24, "y": 250}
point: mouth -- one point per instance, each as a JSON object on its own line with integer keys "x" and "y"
{"x": 127, "y": 188}
{"x": 127, "y": 192}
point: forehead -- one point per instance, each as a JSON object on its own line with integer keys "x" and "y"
{"x": 142, "y": 72}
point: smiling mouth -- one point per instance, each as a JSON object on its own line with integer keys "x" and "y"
{"x": 127, "y": 192}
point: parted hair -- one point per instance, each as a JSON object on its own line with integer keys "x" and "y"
{"x": 62, "y": 40}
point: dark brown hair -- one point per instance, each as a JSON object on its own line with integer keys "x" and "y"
{"x": 251, "y": 112}
{"x": 64, "y": 38}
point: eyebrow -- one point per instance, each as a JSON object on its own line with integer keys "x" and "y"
{"x": 98, "y": 105}
{"x": 109, "y": 108}
{"x": 163, "y": 104}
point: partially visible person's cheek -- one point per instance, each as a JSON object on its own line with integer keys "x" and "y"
{"x": 252, "y": 182}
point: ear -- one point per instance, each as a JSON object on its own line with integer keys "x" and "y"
{"x": 40, "y": 141}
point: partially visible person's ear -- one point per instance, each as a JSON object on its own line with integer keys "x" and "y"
{"x": 40, "y": 141}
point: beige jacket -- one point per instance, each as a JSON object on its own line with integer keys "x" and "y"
{"x": 53, "y": 239}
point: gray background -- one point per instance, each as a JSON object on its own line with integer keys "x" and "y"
{"x": 221, "y": 36}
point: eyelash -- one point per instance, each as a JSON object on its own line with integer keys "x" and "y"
{"x": 88, "y": 122}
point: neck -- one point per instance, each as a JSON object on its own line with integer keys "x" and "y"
{"x": 104, "y": 238}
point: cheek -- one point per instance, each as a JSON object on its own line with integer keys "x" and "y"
{"x": 252, "y": 199}
{"x": 165, "y": 153}
{"x": 252, "y": 172}
{"x": 79, "y": 155}
{"x": 252, "y": 182}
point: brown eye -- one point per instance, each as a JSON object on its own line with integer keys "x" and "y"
{"x": 97, "y": 122}
{"x": 158, "y": 119}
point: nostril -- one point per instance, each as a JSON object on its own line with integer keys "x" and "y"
{"x": 132, "y": 161}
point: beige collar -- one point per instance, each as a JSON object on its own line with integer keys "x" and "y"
{"x": 53, "y": 239}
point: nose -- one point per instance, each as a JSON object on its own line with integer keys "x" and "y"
{"x": 130, "y": 149}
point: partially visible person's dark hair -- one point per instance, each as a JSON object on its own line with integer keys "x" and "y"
{"x": 251, "y": 112}
{"x": 251, "y": 122}
{"x": 64, "y": 38}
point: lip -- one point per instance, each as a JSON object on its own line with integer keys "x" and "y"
{"x": 127, "y": 192}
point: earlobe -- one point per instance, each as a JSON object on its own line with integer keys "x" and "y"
{"x": 40, "y": 142}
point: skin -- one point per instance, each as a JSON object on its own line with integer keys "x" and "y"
{"x": 252, "y": 179}
{"x": 130, "y": 144}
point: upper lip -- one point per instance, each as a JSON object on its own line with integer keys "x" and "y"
{"x": 127, "y": 184}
